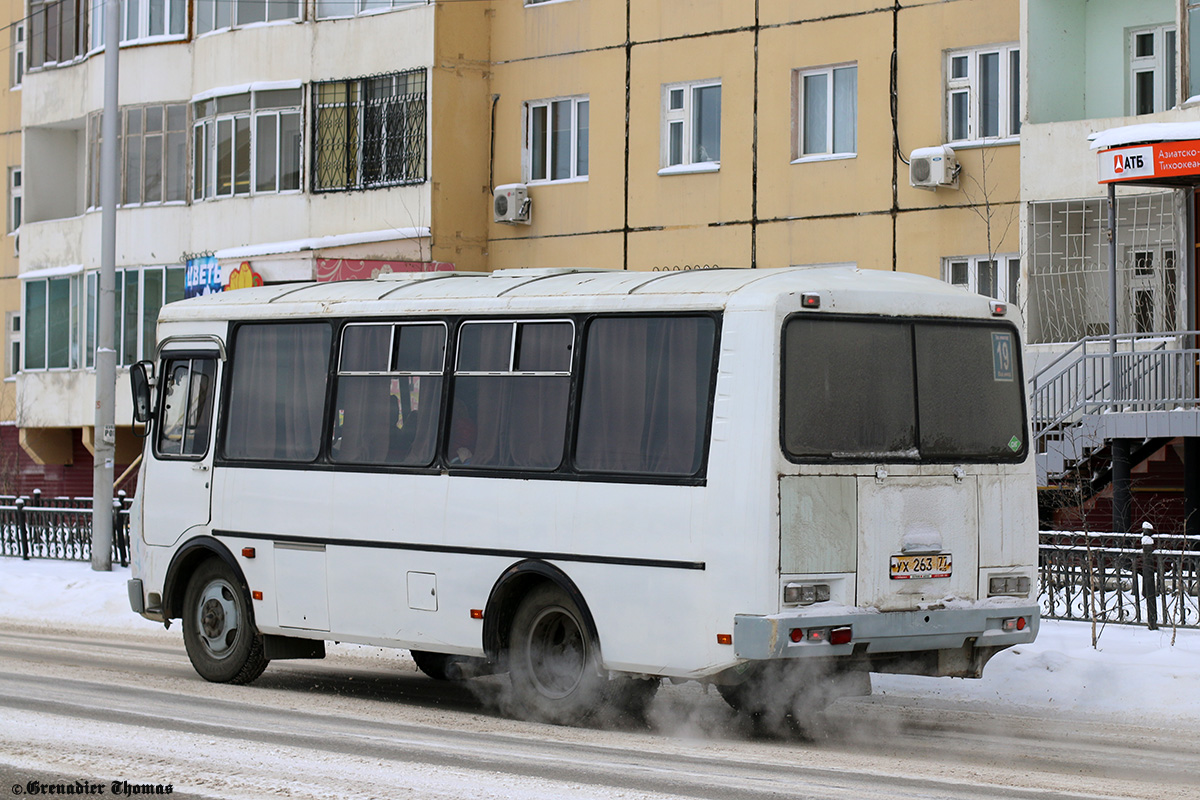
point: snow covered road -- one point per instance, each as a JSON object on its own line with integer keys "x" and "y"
{"x": 91, "y": 693}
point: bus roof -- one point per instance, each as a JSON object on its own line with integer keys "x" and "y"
{"x": 844, "y": 289}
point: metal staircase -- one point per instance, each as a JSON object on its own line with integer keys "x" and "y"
{"x": 1141, "y": 387}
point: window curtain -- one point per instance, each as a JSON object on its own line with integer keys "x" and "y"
{"x": 277, "y": 392}
{"x": 519, "y": 421}
{"x": 645, "y": 395}
{"x": 420, "y": 399}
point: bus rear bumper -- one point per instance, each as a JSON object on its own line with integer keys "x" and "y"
{"x": 946, "y": 641}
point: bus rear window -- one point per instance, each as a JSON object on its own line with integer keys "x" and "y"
{"x": 864, "y": 389}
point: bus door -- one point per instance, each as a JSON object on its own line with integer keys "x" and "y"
{"x": 178, "y": 464}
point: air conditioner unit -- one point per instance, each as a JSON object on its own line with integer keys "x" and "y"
{"x": 931, "y": 167}
{"x": 511, "y": 203}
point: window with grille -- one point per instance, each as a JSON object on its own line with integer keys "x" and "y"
{"x": 369, "y": 133}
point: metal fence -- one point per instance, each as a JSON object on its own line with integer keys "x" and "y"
{"x": 1110, "y": 576}
{"x": 58, "y": 527}
{"x": 1114, "y": 577}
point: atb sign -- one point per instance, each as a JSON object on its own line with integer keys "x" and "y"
{"x": 1150, "y": 161}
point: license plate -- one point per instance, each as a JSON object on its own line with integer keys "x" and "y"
{"x": 929, "y": 565}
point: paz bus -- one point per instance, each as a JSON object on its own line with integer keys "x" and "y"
{"x": 773, "y": 481}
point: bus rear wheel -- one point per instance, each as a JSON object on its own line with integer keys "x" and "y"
{"x": 782, "y": 695}
{"x": 554, "y": 662}
{"x": 218, "y": 626}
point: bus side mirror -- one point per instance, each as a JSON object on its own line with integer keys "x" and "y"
{"x": 141, "y": 377}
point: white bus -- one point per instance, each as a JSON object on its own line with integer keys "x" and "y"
{"x": 593, "y": 480}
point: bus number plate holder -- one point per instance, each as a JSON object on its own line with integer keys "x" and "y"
{"x": 926, "y": 565}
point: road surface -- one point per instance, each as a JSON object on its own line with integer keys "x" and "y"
{"x": 124, "y": 710}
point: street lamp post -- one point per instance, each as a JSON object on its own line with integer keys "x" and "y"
{"x": 105, "y": 433}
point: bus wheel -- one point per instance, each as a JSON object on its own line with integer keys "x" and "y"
{"x": 445, "y": 667}
{"x": 218, "y": 627}
{"x": 553, "y": 661}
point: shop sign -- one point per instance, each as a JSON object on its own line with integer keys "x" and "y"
{"x": 1148, "y": 162}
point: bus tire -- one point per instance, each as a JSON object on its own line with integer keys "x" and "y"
{"x": 218, "y": 626}
{"x": 554, "y": 662}
{"x": 439, "y": 666}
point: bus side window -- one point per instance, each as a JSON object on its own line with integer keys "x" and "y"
{"x": 389, "y": 387}
{"x": 187, "y": 404}
{"x": 643, "y": 405}
{"x": 511, "y": 391}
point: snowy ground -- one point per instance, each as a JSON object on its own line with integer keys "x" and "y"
{"x": 1132, "y": 672}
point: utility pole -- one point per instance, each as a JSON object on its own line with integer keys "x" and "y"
{"x": 104, "y": 438}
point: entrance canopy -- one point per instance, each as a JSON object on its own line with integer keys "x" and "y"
{"x": 1155, "y": 153}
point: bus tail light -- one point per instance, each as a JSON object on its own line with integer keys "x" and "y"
{"x": 1013, "y": 624}
{"x": 841, "y": 635}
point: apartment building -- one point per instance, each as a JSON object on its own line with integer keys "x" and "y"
{"x": 12, "y": 22}
{"x": 329, "y": 139}
{"x": 678, "y": 135}
{"x": 260, "y": 142}
{"x": 1118, "y": 435}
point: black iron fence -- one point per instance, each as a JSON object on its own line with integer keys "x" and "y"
{"x": 33, "y": 526}
{"x": 1122, "y": 578}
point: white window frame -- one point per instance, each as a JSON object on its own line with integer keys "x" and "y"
{"x": 682, "y": 119}
{"x": 965, "y": 271}
{"x": 18, "y": 55}
{"x": 16, "y": 192}
{"x": 338, "y": 9}
{"x": 90, "y": 308}
{"x": 74, "y": 323}
{"x": 13, "y": 342}
{"x": 203, "y": 144}
{"x": 578, "y": 142}
{"x": 1159, "y": 65}
{"x": 136, "y": 19}
{"x": 967, "y": 88}
{"x": 800, "y": 101}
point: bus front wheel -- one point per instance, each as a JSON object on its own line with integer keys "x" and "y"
{"x": 218, "y": 626}
{"x": 554, "y": 665}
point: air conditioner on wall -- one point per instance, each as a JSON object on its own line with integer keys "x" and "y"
{"x": 931, "y": 167}
{"x": 511, "y": 203}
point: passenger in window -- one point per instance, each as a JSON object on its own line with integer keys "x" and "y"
{"x": 174, "y": 410}
{"x": 400, "y": 437}
{"x": 462, "y": 433}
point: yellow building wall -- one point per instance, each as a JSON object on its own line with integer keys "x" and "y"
{"x": 759, "y": 209}
{"x": 11, "y": 12}
{"x": 459, "y": 125}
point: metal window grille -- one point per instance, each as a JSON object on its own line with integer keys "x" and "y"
{"x": 369, "y": 133}
{"x": 1068, "y": 266}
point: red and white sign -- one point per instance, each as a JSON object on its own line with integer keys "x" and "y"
{"x": 1158, "y": 160}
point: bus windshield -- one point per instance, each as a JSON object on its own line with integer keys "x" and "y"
{"x": 860, "y": 389}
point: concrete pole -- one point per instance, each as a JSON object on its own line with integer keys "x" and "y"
{"x": 105, "y": 433}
